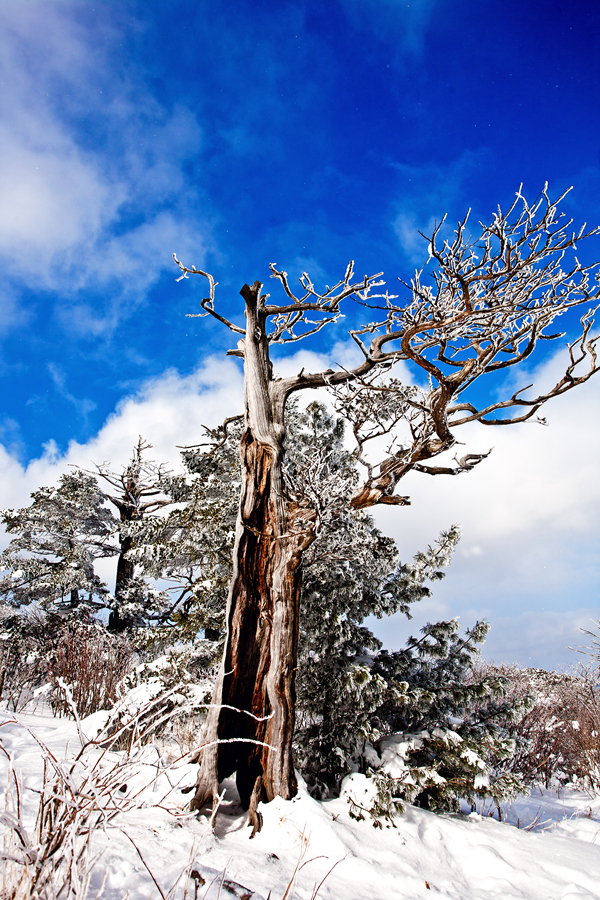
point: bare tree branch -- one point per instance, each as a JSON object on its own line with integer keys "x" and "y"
{"x": 486, "y": 304}
{"x": 219, "y": 434}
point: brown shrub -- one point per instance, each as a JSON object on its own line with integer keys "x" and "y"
{"x": 558, "y": 737}
{"x": 38, "y": 649}
{"x": 92, "y": 662}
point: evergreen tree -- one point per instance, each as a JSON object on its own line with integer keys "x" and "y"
{"x": 444, "y": 731}
{"x": 58, "y": 537}
{"x": 66, "y": 528}
{"x": 356, "y": 704}
{"x": 190, "y": 549}
{"x": 340, "y": 688}
{"x": 416, "y": 721}
{"x": 143, "y": 488}
{"x": 351, "y": 571}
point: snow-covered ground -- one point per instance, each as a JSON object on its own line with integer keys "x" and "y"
{"x": 554, "y": 854}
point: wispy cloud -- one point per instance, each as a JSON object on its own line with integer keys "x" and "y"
{"x": 94, "y": 193}
{"x": 402, "y": 24}
{"x": 426, "y": 193}
{"x": 82, "y": 405}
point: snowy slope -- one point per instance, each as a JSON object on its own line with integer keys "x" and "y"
{"x": 462, "y": 857}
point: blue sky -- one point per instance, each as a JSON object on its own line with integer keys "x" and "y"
{"x": 243, "y": 133}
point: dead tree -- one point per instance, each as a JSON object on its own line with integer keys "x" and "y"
{"x": 483, "y": 307}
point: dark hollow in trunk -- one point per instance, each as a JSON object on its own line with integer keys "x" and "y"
{"x": 125, "y": 567}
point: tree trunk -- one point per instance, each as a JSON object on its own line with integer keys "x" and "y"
{"x": 125, "y": 571}
{"x": 125, "y": 567}
{"x": 258, "y": 669}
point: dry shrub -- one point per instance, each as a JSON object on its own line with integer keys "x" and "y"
{"x": 40, "y": 649}
{"x": 79, "y": 796}
{"x": 21, "y": 668}
{"x": 53, "y": 861}
{"x": 92, "y": 662}
{"x": 558, "y": 737}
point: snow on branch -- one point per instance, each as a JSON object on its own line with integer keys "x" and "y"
{"x": 480, "y": 305}
{"x": 288, "y": 316}
{"x": 481, "y": 308}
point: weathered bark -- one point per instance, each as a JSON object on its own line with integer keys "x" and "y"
{"x": 254, "y": 738}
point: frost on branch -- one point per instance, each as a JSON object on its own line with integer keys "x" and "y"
{"x": 480, "y": 306}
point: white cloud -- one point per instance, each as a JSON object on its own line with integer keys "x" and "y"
{"x": 87, "y": 206}
{"x": 51, "y": 199}
{"x": 542, "y": 638}
{"x": 529, "y": 515}
{"x": 167, "y": 411}
{"x": 11, "y": 313}
{"x": 528, "y": 561}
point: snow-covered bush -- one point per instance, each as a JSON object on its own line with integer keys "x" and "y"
{"x": 449, "y": 729}
{"x": 20, "y": 669}
{"x": 42, "y": 650}
{"x": 166, "y": 698}
{"x": 439, "y": 732}
{"x": 52, "y": 860}
{"x": 557, "y": 736}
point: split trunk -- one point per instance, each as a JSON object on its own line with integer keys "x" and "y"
{"x": 251, "y": 722}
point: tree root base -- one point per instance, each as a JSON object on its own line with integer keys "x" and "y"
{"x": 255, "y": 818}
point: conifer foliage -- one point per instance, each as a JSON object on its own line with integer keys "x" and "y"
{"x": 445, "y": 732}
{"x": 139, "y": 491}
{"x": 350, "y": 572}
{"x": 414, "y": 721}
{"x": 189, "y": 550}
{"x": 58, "y": 537}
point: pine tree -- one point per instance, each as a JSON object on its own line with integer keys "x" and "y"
{"x": 50, "y": 561}
{"x": 190, "y": 549}
{"x": 355, "y": 703}
{"x": 417, "y": 713}
{"x": 341, "y": 690}
{"x": 444, "y": 732}
{"x": 58, "y": 538}
{"x": 142, "y": 488}
{"x": 351, "y": 571}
